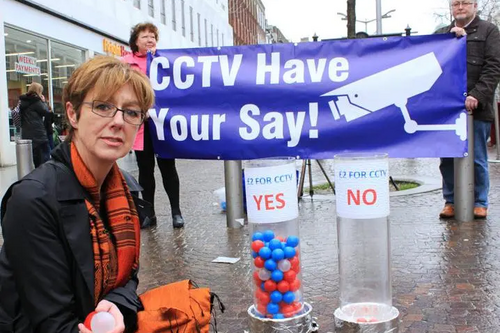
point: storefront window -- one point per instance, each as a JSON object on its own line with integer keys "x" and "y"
{"x": 65, "y": 59}
{"x": 26, "y": 62}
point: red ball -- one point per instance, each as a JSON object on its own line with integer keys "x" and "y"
{"x": 256, "y": 277}
{"x": 287, "y": 310}
{"x": 295, "y": 263}
{"x": 283, "y": 286}
{"x": 87, "y": 321}
{"x": 264, "y": 298}
{"x": 270, "y": 285}
{"x": 297, "y": 306}
{"x": 257, "y": 245}
{"x": 295, "y": 285}
{"x": 258, "y": 262}
{"x": 289, "y": 276}
{"x": 261, "y": 308}
{"x": 281, "y": 239}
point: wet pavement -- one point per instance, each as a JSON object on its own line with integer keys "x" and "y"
{"x": 446, "y": 275}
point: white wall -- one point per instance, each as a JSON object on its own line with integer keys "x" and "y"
{"x": 116, "y": 17}
{"x": 112, "y": 17}
{"x": 7, "y": 149}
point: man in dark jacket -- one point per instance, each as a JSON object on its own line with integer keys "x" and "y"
{"x": 483, "y": 74}
{"x": 33, "y": 109}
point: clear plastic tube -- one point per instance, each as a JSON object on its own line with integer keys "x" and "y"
{"x": 362, "y": 187}
{"x": 275, "y": 242}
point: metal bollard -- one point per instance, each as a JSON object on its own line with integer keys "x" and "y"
{"x": 464, "y": 179}
{"x": 235, "y": 214}
{"x": 24, "y": 158}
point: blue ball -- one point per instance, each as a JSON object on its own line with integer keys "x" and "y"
{"x": 276, "y": 297}
{"x": 262, "y": 286}
{"x": 289, "y": 297}
{"x": 277, "y": 275}
{"x": 292, "y": 241}
{"x": 278, "y": 255}
{"x": 223, "y": 205}
{"x": 275, "y": 244}
{"x": 270, "y": 265}
{"x": 278, "y": 316}
{"x": 258, "y": 236}
{"x": 268, "y": 235}
{"x": 289, "y": 252}
{"x": 265, "y": 252}
{"x": 254, "y": 254}
{"x": 273, "y": 308}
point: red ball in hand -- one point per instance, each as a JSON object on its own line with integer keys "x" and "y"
{"x": 87, "y": 321}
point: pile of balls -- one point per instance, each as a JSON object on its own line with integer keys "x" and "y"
{"x": 277, "y": 265}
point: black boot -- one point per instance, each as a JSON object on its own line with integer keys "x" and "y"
{"x": 177, "y": 221}
{"x": 149, "y": 222}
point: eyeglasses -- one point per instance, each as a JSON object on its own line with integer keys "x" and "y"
{"x": 461, "y": 3}
{"x": 108, "y": 110}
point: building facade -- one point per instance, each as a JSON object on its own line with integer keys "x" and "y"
{"x": 274, "y": 35}
{"x": 44, "y": 41}
{"x": 248, "y": 19}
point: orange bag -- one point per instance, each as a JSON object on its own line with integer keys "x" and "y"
{"x": 177, "y": 307}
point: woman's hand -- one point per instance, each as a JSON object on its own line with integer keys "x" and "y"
{"x": 107, "y": 306}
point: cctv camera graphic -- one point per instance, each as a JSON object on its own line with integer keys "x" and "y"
{"x": 393, "y": 86}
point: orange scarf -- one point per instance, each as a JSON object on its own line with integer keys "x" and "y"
{"x": 116, "y": 245}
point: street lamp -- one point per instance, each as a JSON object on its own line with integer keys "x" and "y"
{"x": 386, "y": 15}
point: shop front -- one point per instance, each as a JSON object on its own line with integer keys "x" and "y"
{"x": 33, "y": 58}
{"x": 43, "y": 47}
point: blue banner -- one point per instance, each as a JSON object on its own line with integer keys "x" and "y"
{"x": 404, "y": 96}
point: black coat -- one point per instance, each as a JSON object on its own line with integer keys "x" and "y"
{"x": 33, "y": 110}
{"x": 483, "y": 64}
{"x": 48, "y": 120}
{"x": 46, "y": 263}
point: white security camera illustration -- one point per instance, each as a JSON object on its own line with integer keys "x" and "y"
{"x": 393, "y": 86}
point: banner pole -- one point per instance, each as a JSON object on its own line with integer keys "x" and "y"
{"x": 379, "y": 16}
{"x": 235, "y": 215}
{"x": 464, "y": 179}
{"x": 497, "y": 129}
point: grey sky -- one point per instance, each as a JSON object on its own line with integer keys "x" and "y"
{"x": 301, "y": 18}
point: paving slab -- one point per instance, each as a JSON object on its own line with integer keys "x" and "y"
{"x": 446, "y": 275}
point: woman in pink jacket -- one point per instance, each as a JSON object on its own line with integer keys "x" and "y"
{"x": 143, "y": 38}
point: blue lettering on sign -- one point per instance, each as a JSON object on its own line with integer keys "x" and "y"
{"x": 357, "y": 174}
{"x": 283, "y": 178}
{"x": 378, "y": 173}
{"x": 362, "y": 174}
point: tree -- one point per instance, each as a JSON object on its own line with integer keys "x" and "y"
{"x": 488, "y": 10}
{"x": 351, "y": 18}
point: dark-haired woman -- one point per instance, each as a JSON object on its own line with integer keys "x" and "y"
{"x": 143, "y": 38}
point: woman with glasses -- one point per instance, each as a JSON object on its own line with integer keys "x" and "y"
{"x": 70, "y": 228}
{"x": 143, "y": 39}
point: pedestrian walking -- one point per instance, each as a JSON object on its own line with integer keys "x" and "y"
{"x": 70, "y": 228}
{"x": 143, "y": 39}
{"x": 48, "y": 120}
{"x": 33, "y": 109}
{"x": 483, "y": 74}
